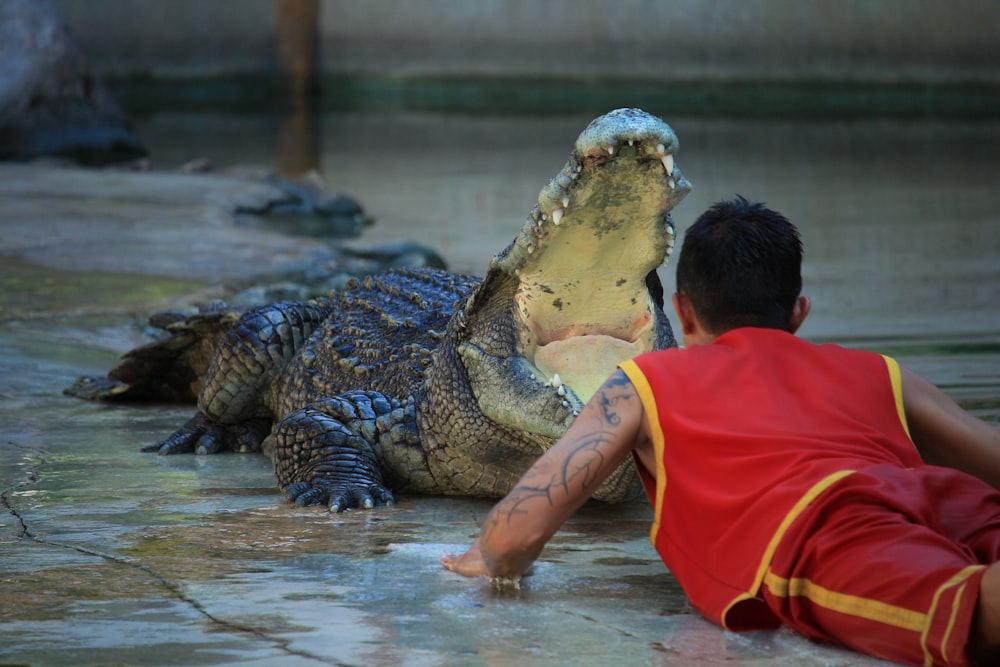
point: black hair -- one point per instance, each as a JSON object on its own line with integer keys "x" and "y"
{"x": 741, "y": 265}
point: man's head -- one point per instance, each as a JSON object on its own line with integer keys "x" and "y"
{"x": 740, "y": 265}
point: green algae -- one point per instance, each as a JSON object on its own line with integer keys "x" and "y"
{"x": 174, "y": 546}
{"x": 254, "y": 535}
{"x": 569, "y": 94}
{"x": 981, "y": 404}
{"x": 53, "y": 593}
{"x": 28, "y": 289}
{"x": 947, "y": 348}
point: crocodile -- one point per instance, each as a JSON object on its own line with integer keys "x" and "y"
{"x": 432, "y": 382}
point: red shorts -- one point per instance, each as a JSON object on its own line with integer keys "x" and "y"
{"x": 888, "y": 562}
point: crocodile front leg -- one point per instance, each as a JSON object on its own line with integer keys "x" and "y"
{"x": 328, "y": 452}
{"x": 251, "y": 357}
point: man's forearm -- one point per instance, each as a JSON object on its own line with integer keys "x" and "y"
{"x": 947, "y": 435}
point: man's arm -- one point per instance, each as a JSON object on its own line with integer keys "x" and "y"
{"x": 517, "y": 528}
{"x": 947, "y": 435}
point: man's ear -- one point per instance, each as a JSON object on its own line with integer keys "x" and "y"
{"x": 685, "y": 313}
{"x": 799, "y": 312}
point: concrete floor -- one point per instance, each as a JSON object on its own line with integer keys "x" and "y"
{"x": 110, "y": 556}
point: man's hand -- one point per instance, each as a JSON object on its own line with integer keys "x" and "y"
{"x": 469, "y": 564}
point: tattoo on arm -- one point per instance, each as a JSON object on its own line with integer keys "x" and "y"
{"x": 584, "y": 462}
{"x": 610, "y": 394}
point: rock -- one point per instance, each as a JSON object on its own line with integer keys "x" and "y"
{"x": 51, "y": 104}
{"x": 311, "y": 208}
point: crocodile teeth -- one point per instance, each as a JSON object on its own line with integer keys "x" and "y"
{"x": 672, "y": 183}
{"x": 556, "y": 380}
{"x": 631, "y": 142}
{"x": 561, "y": 390}
{"x": 668, "y": 164}
{"x": 661, "y": 149}
{"x": 557, "y": 214}
{"x": 565, "y": 201}
{"x": 611, "y": 149}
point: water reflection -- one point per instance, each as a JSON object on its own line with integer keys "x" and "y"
{"x": 297, "y": 145}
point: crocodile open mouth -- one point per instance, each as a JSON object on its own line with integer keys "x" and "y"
{"x": 601, "y": 226}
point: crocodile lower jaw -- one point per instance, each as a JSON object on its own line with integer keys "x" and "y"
{"x": 585, "y": 362}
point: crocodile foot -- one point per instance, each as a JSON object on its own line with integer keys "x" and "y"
{"x": 201, "y": 435}
{"x": 338, "y": 496}
{"x": 319, "y": 460}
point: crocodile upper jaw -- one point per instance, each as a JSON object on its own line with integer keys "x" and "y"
{"x": 570, "y": 297}
{"x": 582, "y": 300}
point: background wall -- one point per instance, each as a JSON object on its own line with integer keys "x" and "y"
{"x": 814, "y": 41}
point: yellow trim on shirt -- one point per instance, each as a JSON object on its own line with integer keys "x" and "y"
{"x": 961, "y": 577}
{"x": 810, "y": 495}
{"x": 853, "y": 605}
{"x": 882, "y": 612}
{"x": 645, "y": 392}
{"x": 896, "y": 378}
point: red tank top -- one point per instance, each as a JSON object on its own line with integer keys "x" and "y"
{"x": 748, "y": 431}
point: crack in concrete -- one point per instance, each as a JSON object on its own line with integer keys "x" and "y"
{"x": 591, "y": 619}
{"x": 23, "y": 532}
{"x": 175, "y": 590}
{"x": 30, "y": 477}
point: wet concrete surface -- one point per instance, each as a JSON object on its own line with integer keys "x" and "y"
{"x": 114, "y": 557}
{"x": 110, "y": 556}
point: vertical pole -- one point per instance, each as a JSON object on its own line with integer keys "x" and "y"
{"x": 296, "y": 34}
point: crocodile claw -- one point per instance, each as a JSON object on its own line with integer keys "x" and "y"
{"x": 182, "y": 441}
{"x": 203, "y": 436}
{"x": 339, "y": 497}
{"x": 354, "y": 498}
{"x": 322, "y": 458}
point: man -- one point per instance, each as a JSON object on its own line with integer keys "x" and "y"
{"x": 827, "y": 489}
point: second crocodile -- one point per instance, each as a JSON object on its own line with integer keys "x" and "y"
{"x": 425, "y": 381}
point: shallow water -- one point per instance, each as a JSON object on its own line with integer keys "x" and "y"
{"x": 111, "y": 556}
